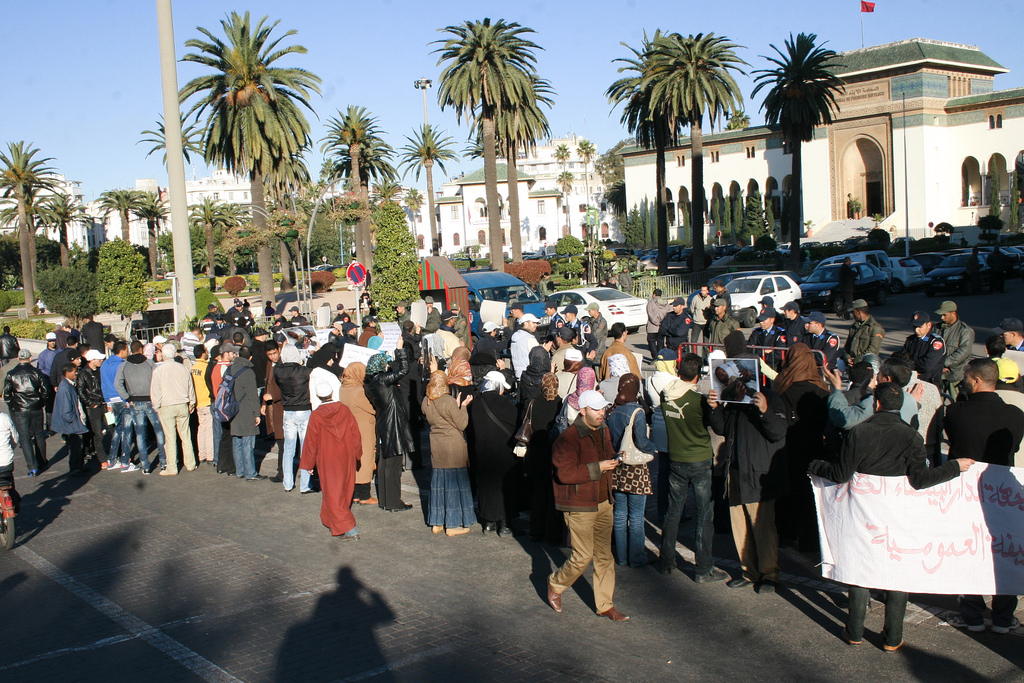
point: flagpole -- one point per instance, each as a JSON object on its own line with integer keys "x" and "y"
{"x": 862, "y": 28}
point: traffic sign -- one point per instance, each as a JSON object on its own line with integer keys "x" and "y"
{"x": 356, "y": 274}
{"x": 718, "y": 234}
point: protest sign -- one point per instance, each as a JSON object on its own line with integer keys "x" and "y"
{"x": 735, "y": 379}
{"x": 352, "y": 353}
{"x": 390, "y": 333}
{"x": 418, "y": 312}
{"x": 961, "y": 537}
{"x": 491, "y": 312}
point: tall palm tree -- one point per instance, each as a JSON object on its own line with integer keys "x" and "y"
{"x": 565, "y": 180}
{"x": 427, "y": 147}
{"x": 738, "y": 120}
{"x": 191, "y": 140}
{"x": 347, "y": 135}
{"x": 413, "y": 201}
{"x": 690, "y": 78}
{"x": 152, "y": 210}
{"x": 254, "y": 109}
{"x": 209, "y": 214}
{"x": 562, "y": 155}
{"x": 487, "y": 72}
{"x": 387, "y": 191}
{"x": 650, "y": 126}
{"x": 802, "y": 89}
{"x": 124, "y": 203}
{"x": 22, "y": 176}
{"x": 586, "y": 151}
{"x": 58, "y": 211}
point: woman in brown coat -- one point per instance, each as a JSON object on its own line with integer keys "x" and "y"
{"x": 451, "y": 500}
{"x": 353, "y": 396}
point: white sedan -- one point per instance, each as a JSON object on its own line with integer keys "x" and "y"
{"x": 615, "y": 306}
{"x": 747, "y": 292}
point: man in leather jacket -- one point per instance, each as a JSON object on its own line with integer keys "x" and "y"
{"x": 27, "y": 391}
{"x": 9, "y": 346}
{"x": 90, "y": 393}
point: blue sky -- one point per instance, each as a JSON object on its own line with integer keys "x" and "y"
{"x": 81, "y": 80}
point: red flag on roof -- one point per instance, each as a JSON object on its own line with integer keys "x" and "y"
{"x": 866, "y": 6}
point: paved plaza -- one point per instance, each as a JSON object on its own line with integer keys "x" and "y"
{"x": 120, "y": 577}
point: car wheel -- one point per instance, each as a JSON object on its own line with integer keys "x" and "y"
{"x": 749, "y": 317}
{"x": 632, "y": 330}
{"x": 896, "y": 286}
{"x": 881, "y": 296}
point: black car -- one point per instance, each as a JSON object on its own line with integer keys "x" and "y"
{"x": 951, "y": 276}
{"x": 930, "y": 261}
{"x": 821, "y": 288}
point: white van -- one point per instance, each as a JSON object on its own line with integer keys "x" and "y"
{"x": 903, "y": 272}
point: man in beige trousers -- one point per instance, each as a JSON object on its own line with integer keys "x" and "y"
{"x": 174, "y": 398}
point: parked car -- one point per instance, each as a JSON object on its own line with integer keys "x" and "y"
{"x": 950, "y": 276}
{"x": 726, "y": 278}
{"x": 615, "y": 306}
{"x": 747, "y": 292}
{"x": 791, "y": 274}
{"x": 676, "y": 258}
{"x": 488, "y": 285}
{"x": 901, "y": 272}
{"x": 820, "y": 289}
{"x": 929, "y": 260}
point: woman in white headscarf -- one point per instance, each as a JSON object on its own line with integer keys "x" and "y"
{"x": 618, "y": 366}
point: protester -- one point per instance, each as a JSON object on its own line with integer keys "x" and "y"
{"x": 531, "y": 379}
{"x": 272, "y": 409}
{"x": 522, "y": 342}
{"x": 27, "y": 392}
{"x": 174, "y": 398}
{"x": 331, "y": 447}
{"x": 631, "y": 484}
{"x": 90, "y": 394}
{"x": 451, "y": 500}
{"x": 68, "y": 419}
{"x": 353, "y": 396}
{"x": 586, "y": 380}
{"x": 323, "y": 367}
{"x": 204, "y": 431}
{"x": 133, "y": 381}
{"x": 293, "y": 379}
{"x": 245, "y": 425}
{"x": 459, "y": 372}
{"x": 617, "y": 367}
{"x": 568, "y": 371}
{"x": 619, "y": 334}
{"x": 9, "y": 346}
{"x": 546, "y": 523}
{"x": 657, "y": 309}
{"x": 498, "y": 474}
{"x": 394, "y": 436}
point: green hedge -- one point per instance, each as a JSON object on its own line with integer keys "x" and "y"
{"x": 30, "y": 329}
{"x": 204, "y": 297}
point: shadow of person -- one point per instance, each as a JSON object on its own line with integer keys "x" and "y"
{"x": 545, "y": 559}
{"x": 43, "y": 505}
{"x": 338, "y": 640}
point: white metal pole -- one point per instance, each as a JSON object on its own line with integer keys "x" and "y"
{"x": 906, "y": 186}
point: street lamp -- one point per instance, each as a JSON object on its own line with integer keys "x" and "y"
{"x": 424, "y": 84}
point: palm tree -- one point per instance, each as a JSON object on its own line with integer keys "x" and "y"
{"x": 387, "y": 191}
{"x": 650, "y": 126}
{"x": 255, "y": 109}
{"x": 58, "y": 211}
{"x": 427, "y": 147}
{"x": 738, "y": 120}
{"x": 689, "y": 78}
{"x": 152, "y": 210}
{"x": 413, "y": 200}
{"x": 124, "y": 203}
{"x": 346, "y": 137}
{"x": 191, "y": 140}
{"x": 22, "y": 177}
{"x": 565, "y": 180}
{"x": 488, "y": 69}
{"x": 615, "y": 195}
{"x": 801, "y": 96}
{"x": 586, "y": 151}
{"x": 562, "y": 155}
{"x": 211, "y": 216}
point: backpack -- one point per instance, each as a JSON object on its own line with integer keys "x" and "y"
{"x": 226, "y": 406}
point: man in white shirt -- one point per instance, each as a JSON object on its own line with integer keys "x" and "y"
{"x": 524, "y": 340}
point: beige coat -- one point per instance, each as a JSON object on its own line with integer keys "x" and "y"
{"x": 354, "y": 398}
{"x": 172, "y": 386}
{"x": 447, "y": 432}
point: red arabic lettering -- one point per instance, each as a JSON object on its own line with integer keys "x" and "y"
{"x": 971, "y": 546}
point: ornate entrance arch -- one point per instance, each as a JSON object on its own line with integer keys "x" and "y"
{"x": 862, "y": 175}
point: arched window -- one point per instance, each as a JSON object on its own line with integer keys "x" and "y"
{"x": 455, "y": 239}
{"x": 504, "y": 238}
{"x": 604, "y": 231}
{"x": 481, "y": 208}
{"x": 542, "y": 234}
{"x": 999, "y": 120}
{"x": 481, "y": 237}
{"x": 419, "y": 241}
{"x": 991, "y": 122}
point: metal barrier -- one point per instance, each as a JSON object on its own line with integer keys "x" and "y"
{"x": 671, "y": 285}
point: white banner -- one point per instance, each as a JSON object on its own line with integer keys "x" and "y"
{"x": 962, "y": 537}
{"x": 390, "y": 333}
{"x": 352, "y": 353}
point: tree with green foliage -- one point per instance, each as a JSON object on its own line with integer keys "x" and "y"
{"x": 568, "y": 246}
{"x": 725, "y": 214}
{"x": 880, "y": 237}
{"x": 737, "y": 213}
{"x": 610, "y": 166}
{"x": 124, "y": 203}
{"x": 1014, "y": 201}
{"x": 152, "y": 210}
{"x": 615, "y": 195}
{"x": 633, "y": 228}
{"x": 995, "y": 201}
{"x": 738, "y": 120}
{"x": 57, "y": 212}
{"x": 70, "y": 292}
{"x": 121, "y": 279}
{"x": 990, "y": 225}
{"x": 428, "y": 147}
{"x": 395, "y": 266}
{"x": 754, "y": 220}
{"x": 769, "y": 214}
{"x": 765, "y": 243}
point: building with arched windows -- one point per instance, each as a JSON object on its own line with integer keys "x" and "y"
{"x": 964, "y": 140}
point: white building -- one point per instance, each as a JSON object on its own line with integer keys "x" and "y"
{"x": 544, "y": 213}
{"x": 935, "y": 100}
{"x": 86, "y": 233}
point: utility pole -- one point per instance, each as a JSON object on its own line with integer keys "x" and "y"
{"x": 424, "y": 85}
{"x": 175, "y": 163}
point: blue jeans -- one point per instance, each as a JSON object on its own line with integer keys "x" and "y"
{"x": 244, "y": 451}
{"x": 142, "y": 411}
{"x": 122, "y": 439}
{"x": 295, "y": 422}
{"x": 680, "y": 476}
{"x": 628, "y": 528}
{"x": 218, "y": 434}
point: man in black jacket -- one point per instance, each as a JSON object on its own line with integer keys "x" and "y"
{"x": 847, "y": 280}
{"x": 988, "y": 430}
{"x": 92, "y": 333}
{"x": 9, "y": 346}
{"x": 90, "y": 393}
{"x": 67, "y": 355}
{"x": 675, "y": 326}
{"x": 926, "y": 349}
{"x": 27, "y": 392}
{"x": 885, "y": 446}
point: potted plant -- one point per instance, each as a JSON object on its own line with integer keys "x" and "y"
{"x": 855, "y": 207}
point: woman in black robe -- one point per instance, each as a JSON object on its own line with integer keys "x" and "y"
{"x": 530, "y": 381}
{"x": 498, "y": 478}
{"x": 546, "y": 523}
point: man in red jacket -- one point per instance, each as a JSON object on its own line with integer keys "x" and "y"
{"x": 583, "y": 457}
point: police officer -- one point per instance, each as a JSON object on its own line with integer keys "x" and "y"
{"x": 865, "y": 335}
{"x": 793, "y": 324}
{"x": 926, "y": 349}
{"x": 240, "y": 316}
{"x": 767, "y": 333}
{"x": 585, "y": 340}
{"x": 820, "y": 339}
{"x": 555, "y": 321}
{"x": 675, "y": 326}
{"x": 210, "y": 319}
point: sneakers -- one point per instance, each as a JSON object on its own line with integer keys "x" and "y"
{"x": 131, "y": 467}
{"x": 258, "y": 477}
{"x": 115, "y": 467}
{"x": 715, "y": 574}
{"x": 33, "y": 473}
{"x": 739, "y": 582}
{"x": 1002, "y": 630}
{"x": 168, "y": 473}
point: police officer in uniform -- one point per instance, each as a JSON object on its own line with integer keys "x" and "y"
{"x": 240, "y": 316}
{"x": 820, "y": 339}
{"x": 555, "y": 320}
{"x": 926, "y": 349}
{"x": 793, "y": 324}
{"x": 210, "y": 319}
{"x": 585, "y": 340}
{"x": 675, "y": 326}
{"x": 767, "y": 333}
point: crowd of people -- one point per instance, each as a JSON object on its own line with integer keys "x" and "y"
{"x": 553, "y": 417}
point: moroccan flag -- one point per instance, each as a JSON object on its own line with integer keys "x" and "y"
{"x": 866, "y": 6}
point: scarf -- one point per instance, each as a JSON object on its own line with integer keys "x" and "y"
{"x": 459, "y": 372}
{"x": 585, "y": 381}
{"x": 290, "y": 354}
{"x": 800, "y": 367}
{"x": 437, "y": 385}
{"x": 354, "y": 375}
{"x": 539, "y": 365}
{"x": 668, "y": 366}
{"x": 618, "y": 366}
{"x": 549, "y": 386}
{"x": 377, "y": 363}
{"x": 629, "y": 389}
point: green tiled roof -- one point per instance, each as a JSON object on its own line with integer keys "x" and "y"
{"x": 711, "y": 139}
{"x": 448, "y": 200}
{"x": 910, "y": 51}
{"x": 994, "y": 96}
{"x": 477, "y": 176}
{"x": 545, "y": 193}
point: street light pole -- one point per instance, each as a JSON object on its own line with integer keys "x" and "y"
{"x": 424, "y": 84}
{"x": 175, "y": 162}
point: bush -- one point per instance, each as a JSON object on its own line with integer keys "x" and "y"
{"x": 571, "y": 268}
{"x": 568, "y": 246}
{"x": 395, "y": 265}
{"x": 340, "y": 273}
{"x": 204, "y": 297}
{"x": 235, "y": 284}
{"x": 323, "y": 280}
{"x": 17, "y": 298}
{"x": 529, "y": 272}
{"x": 765, "y": 243}
{"x": 122, "y": 280}
{"x": 6, "y": 301}
{"x": 880, "y": 237}
{"x": 70, "y": 292}
{"x": 158, "y": 287}
{"x": 30, "y": 329}
{"x": 571, "y": 283}
{"x": 944, "y": 229}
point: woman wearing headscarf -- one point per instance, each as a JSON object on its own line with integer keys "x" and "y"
{"x": 665, "y": 377}
{"x": 353, "y": 395}
{"x": 411, "y": 387}
{"x": 481, "y": 362}
{"x": 631, "y": 484}
{"x": 567, "y": 373}
{"x": 805, "y": 396}
{"x": 394, "y": 437}
{"x": 323, "y": 368}
{"x": 451, "y": 500}
{"x": 546, "y": 523}
{"x": 586, "y": 380}
{"x": 460, "y": 375}
{"x": 618, "y": 366}
{"x": 497, "y": 485}
{"x": 530, "y": 381}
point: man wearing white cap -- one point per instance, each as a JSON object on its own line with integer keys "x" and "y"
{"x": 45, "y": 359}
{"x": 524, "y": 340}
{"x": 583, "y": 458}
{"x": 174, "y": 398}
{"x": 90, "y": 393}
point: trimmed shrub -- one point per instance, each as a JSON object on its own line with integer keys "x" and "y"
{"x": 235, "y": 284}
{"x": 879, "y": 236}
{"x": 323, "y": 280}
{"x": 568, "y": 246}
{"x": 529, "y": 272}
{"x": 30, "y": 329}
{"x": 204, "y": 297}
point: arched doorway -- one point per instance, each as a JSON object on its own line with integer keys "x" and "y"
{"x": 863, "y": 176}
{"x": 481, "y": 237}
{"x": 455, "y": 240}
{"x": 542, "y": 234}
{"x": 604, "y": 231}
{"x": 970, "y": 182}
{"x": 670, "y": 207}
{"x": 683, "y": 207}
{"x": 752, "y": 187}
{"x": 997, "y": 174}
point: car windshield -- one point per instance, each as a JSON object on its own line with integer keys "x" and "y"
{"x": 607, "y": 294}
{"x": 743, "y": 286}
{"x": 826, "y": 274}
{"x": 521, "y": 293}
{"x": 955, "y": 261}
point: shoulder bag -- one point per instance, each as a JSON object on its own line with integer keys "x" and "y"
{"x": 631, "y": 455}
{"x": 525, "y": 431}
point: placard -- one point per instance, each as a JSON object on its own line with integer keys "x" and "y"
{"x": 390, "y": 333}
{"x": 418, "y": 312}
{"x": 491, "y": 312}
{"x": 322, "y": 336}
{"x": 735, "y": 379}
{"x": 353, "y": 353}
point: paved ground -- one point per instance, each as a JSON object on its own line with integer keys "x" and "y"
{"x": 119, "y": 577}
